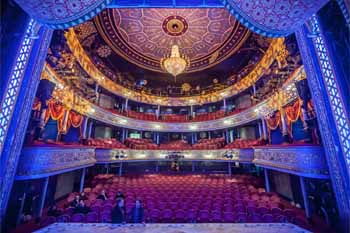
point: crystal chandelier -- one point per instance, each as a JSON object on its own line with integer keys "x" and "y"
{"x": 176, "y": 63}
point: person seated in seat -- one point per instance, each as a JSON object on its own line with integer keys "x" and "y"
{"x": 119, "y": 196}
{"x": 82, "y": 208}
{"x": 118, "y": 212}
{"x": 137, "y": 213}
{"x": 54, "y": 211}
{"x": 83, "y": 196}
{"x": 103, "y": 196}
{"x": 75, "y": 202}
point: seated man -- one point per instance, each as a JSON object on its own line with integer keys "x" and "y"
{"x": 83, "y": 196}
{"x": 75, "y": 202}
{"x": 54, "y": 211}
{"x": 103, "y": 196}
{"x": 82, "y": 208}
{"x": 137, "y": 213}
{"x": 118, "y": 212}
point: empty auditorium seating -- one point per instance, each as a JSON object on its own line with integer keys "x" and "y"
{"x": 244, "y": 143}
{"x": 175, "y": 145}
{"x": 140, "y": 144}
{"x": 188, "y": 199}
{"x": 209, "y": 116}
{"x": 105, "y": 143}
{"x": 174, "y": 117}
{"x": 209, "y": 144}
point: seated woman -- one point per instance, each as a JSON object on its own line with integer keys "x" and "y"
{"x": 137, "y": 213}
{"x": 118, "y": 212}
{"x": 103, "y": 196}
{"x": 82, "y": 208}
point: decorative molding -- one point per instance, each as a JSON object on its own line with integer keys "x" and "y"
{"x": 287, "y": 94}
{"x": 43, "y": 161}
{"x": 38, "y": 162}
{"x": 13, "y": 86}
{"x": 21, "y": 111}
{"x": 120, "y": 155}
{"x": 308, "y": 161}
{"x": 338, "y": 169}
{"x": 277, "y": 50}
{"x": 273, "y": 18}
{"x": 62, "y": 14}
{"x": 333, "y": 90}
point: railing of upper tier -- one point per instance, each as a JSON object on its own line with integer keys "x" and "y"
{"x": 70, "y": 100}
{"x": 43, "y": 161}
{"x": 276, "y": 52}
{"x": 302, "y": 159}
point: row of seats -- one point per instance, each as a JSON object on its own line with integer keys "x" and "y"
{"x": 140, "y": 144}
{"x": 244, "y": 143}
{"x": 105, "y": 143}
{"x": 211, "y": 144}
{"x": 175, "y": 145}
{"x": 187, "y": 198}
{"x": 175, "y": 117}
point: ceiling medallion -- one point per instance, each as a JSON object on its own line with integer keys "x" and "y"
{"x": 176, "y": 63}
{"x": 175, "y": 25}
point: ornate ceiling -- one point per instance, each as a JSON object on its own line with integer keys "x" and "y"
{"x": 144, "y": 36}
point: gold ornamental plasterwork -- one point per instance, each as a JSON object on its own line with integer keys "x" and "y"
{"x": 70, "y": 100}
{"x": 276, "y": 50}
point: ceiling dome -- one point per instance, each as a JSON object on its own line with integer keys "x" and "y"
{"x": 143, "y": 36}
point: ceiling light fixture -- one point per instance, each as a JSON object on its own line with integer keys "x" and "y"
{"x": 176, "y": 63}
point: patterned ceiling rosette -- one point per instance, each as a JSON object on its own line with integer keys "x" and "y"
{"x": 273, "y": 18}
{"x": 145, "y": 36}
{"x": 64, "y": 13}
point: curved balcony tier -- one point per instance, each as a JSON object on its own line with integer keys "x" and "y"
{"x": 42, "y": 160}
{"x": 70, "y": 100}
{"x": 276, "y": 52}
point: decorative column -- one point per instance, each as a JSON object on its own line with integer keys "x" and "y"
{"x": 90, "y": 129}
{"x": 126, "y": 104}
{"x": 157, "y": 138}
{"x": 158, "y": 112}
{"x": 82, "y": 179}
{"x": 227, "y": 136}
{"x": 331, "y": 111}
{"x": 284, "y": 125}
{"x": 43, "y": 196}
{"x": 120, "y": 168}
{"x": 225, "y": 107}
{"x": 97, "y": 100}
{"x": 267, "y": 180}
{"x": 260, "y": 129}
{"x": 305, "y": 197}
{"x": 85, "y": 128}
{"x": 264, "y": 129}
{"x": 17, "y": 100}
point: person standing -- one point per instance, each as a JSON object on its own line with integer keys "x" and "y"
{"x": 137, "y": 213}
{"x": 118, "y": 212}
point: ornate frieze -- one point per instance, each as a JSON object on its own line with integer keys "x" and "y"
{"x": 306, "y": 161}
{"x": 43, "y": 161}
{"x": 118, "y": 155}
